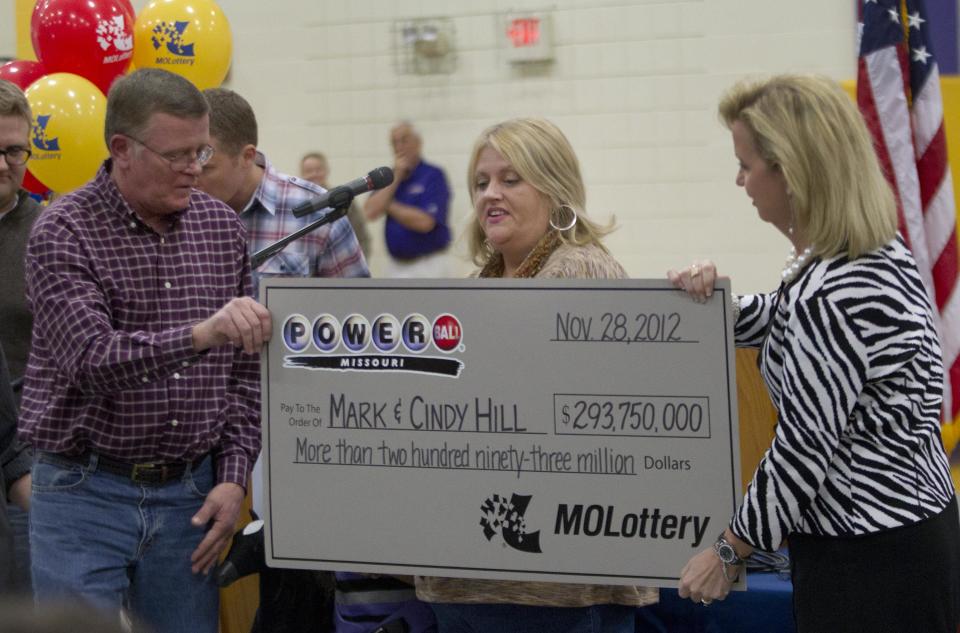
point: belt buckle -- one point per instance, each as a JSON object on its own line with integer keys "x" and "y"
{"x": 149, "y": 473}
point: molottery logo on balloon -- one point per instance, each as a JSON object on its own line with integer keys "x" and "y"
{"x": 385, "y": 343}
{"x": 40, "y": 140}
{"x": 112, "y": 36}
{"x": 171, "y": 38}
{"x": 506, "y": 518}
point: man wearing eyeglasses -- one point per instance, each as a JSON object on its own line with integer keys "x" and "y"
{"x": 18, "y": 211}
{"x": 141, "y": 397}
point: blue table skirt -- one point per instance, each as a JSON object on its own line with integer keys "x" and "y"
{"x": 766, "y": 607}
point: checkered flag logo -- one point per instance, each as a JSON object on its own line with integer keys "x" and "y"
{"x": 113, "y": 32}
{"x": 506, "y": 518}
{"x": 171, "y": 36}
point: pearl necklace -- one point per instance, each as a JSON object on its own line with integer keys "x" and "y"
{"x": 795, "y": 263}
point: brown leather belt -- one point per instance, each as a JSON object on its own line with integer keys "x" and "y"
{"x": 145, "y": 473}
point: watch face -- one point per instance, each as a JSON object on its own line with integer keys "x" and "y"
{"x": 726, "y": 552}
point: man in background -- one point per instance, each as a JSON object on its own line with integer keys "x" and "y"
{"x": 243, "y": 177}
{"x": 18, "y": 211}
{"x": 142, "y": 394}
{"x": 415, "y": 205}
{"x": 14, "y": 480}
{"x": 264, "y": 198}
{"x": 315, "y": 168}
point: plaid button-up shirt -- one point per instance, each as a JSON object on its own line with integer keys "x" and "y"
{"x": 112, "y": 367}
{"x": 330, "y": 251}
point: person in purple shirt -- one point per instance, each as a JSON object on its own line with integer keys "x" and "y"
{"x": 141, "y": 398}
{"x": 415, "y": 205}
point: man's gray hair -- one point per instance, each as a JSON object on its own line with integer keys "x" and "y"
{"x": 133, "y": 99}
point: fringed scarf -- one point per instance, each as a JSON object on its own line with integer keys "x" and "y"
{"x": 532, "y": 263}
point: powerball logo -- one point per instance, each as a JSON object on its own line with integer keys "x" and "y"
{"x": 383, "y": 344}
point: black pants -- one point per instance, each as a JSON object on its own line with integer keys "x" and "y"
{"x": 904, "y": 580}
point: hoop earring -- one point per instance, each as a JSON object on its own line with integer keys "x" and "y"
{"x": 572, "y": 224}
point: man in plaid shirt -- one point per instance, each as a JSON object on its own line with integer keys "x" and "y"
{"x": 142, "y": 392}
{"x": 242, "y": 177}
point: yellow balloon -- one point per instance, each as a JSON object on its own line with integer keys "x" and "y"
{"x": 67, "y": 139}
{"x": 188, "y": 37}
{"x": 951, "y": 436}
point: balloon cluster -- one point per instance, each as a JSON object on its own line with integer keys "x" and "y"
{"x": 82, "y": 47}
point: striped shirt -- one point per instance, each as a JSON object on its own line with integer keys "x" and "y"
{"x": 852, "y": 362}
{"x": 330, "y": 251}
{"x": 112, "y": 367}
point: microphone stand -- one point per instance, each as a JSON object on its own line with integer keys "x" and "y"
{"x": 266, "y": 253}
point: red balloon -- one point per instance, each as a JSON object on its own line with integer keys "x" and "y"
{"x": 32, "y": 184}
{"x": 90, "y": 38}
{"x": 22, "y": 72}
{"x": 126, "y": 4}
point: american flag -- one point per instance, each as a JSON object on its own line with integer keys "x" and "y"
{"x": 898, "y": 91}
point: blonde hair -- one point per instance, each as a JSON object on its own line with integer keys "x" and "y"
{"x": 810, "y": 130}
{"x": 543, "y": 157}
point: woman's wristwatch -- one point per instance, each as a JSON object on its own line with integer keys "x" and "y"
{"x": 728, "y": 556}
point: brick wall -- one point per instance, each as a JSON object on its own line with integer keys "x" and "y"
{"x": 634, "y": 86}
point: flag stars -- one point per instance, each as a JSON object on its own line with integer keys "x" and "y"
{"x": 915, "y": 20}
{"x": 921, "y": 55}
{"x": 894, "y": 16}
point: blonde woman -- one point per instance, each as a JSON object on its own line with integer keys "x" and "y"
{"x": 529, "y": 201}
{"x": 856, "y": 477}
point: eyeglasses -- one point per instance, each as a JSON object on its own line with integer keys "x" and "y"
{"x": 15, "y": 155}
{"x": 181, "y": 161}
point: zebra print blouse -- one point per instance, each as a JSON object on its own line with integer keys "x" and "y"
{"x": 851, "y": 358}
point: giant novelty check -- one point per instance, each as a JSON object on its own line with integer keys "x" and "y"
{"x": 561, "y": 430}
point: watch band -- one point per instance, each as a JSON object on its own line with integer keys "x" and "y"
{"x": 728, "y": 556}
{"x": 726, "y": 551}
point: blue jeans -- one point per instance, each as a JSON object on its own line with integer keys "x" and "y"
{"x": 516, "y": 618}
{"x": 112, "y": 543}
{"x": 19, "y": 526}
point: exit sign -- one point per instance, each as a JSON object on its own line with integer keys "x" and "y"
{"x": 524, "y": 32}
{"x": 528, "y": 37}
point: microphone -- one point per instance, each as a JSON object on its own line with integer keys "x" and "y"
{"x": 342, "y": 195}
